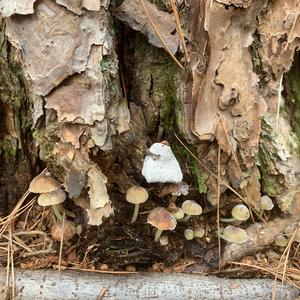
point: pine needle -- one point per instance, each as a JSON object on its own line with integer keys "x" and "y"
{"x": 293, "y": 27}
{"x": 61, "y": 242}
{"x": 159, "y": 35}
{"x": 218, "y": 205}
{"x": 278, "y": 103}
{"x": 208, "y": 170}
{"x": 180, "y": 31}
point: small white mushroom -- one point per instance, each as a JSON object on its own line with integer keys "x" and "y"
{"x": 191, "y": 208}
{"x": 53, "y": 199}
{"x": 234, "y": 235}
{"x": 239, "y": 212}
{"x": 163, "y": 240}
{"x": 281, "y": 241}
{"x": 265, "y": 203}
{"x": 189, "y": 234}
{"x": 162, "y": 166}
{"x": 199, "y": 232}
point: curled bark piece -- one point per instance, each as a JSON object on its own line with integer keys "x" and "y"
{"x": 50, "y": 284}
{"x": 132, "y": 13}
{"x": 8, "y": 8}
{"x": 260, "y": 235}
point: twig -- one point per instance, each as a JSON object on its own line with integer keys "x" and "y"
{"x": 159, "y": 35}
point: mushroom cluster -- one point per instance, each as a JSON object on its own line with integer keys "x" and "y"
{"x": 50, "y": 192}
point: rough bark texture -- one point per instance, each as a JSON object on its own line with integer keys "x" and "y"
{"x": 75, "y": 285}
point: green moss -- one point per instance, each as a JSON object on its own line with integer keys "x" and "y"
{"x": 271, "y": 186}
{"x": 8, "y": 148}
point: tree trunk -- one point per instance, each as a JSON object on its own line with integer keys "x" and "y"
{"x": 97, "y": 94}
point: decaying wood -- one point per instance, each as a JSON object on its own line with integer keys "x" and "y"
{"x": 261, "y": 236}
{"x": 235, "y": 86}
{"x": 49, "y": 284}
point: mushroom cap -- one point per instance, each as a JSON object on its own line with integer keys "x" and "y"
{"x": 189, "y": 234}
{"x": 281, "y": 240}
{"x": 43, "y": 184}
{"x": 192, "y": 208}
{"x": 52, "y": 198}
{"x": 240, "y": 212}
{"x": 289, "y": 231}
{"x": 235, "y": 235}
{"x": 266, "y": 203}
{"x": 178, "y": 213}
{"x": 162, "y": 219}
{"x": 199, "y": 232}
{"x": 163, "y": 240}
{"x": 68, "y": 231}
{"x": 136, "y": 195}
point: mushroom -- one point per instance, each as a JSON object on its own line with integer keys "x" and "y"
{"x": 43, "y": 183}
{"x": 162, "y": 219}
{"x": 177, "y": 212}
{"x": 234, "y": 235}
{"x": 136, "y": 195}
{"x": 265, "y": 203}
{"x": 289, "y": 231}
{"x": 189, "y": 234}
{"x": 191, "y": 208}
{"x": 53, "y": 199}
{"x": 281, "y": 241}
{"x": 175, "y": 189}
{"x": 68, "y": 230}
{"x": 239, "y": 212}
{"x": 199, "y": 232}
{"x": 163, "y": 240}
{"x": 161, "y": 166}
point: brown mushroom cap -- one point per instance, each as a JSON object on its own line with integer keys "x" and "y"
{"x": 162, "y": 219}
{"x": 235, "y": 235}
{"x": 192, "y": 208}
{"x": 43, "y": 184}
{"x": 52, "y": 198}
{"x": 136, "y": 195}
{"x": 240, "y": 212}
{"x": 68, "y": 231}
{"x": 266, "y": 203}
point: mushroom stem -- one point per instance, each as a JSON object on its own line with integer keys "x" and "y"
{"x": 56, "y": 211}
{"x": 157, "y": 235}
{"x": 187, "y": 217}
{"x": 135, "y": 213}
{"x": 228, "y": 220}
{"x": 173, "y": 199}
{"x": 261, "y": 213}
{"x": 67, "y": 212}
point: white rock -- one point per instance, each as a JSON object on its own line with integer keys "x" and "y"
{"x": 163, "y": 169}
